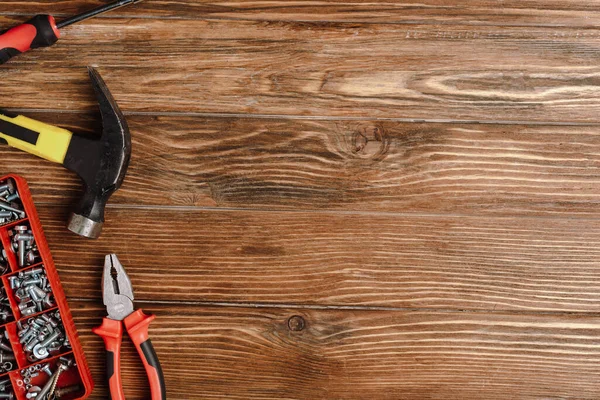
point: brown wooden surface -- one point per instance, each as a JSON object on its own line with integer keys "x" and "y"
{"x": 418, "y": 181}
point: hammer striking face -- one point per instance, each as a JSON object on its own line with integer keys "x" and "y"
{"x": 100, "y": 163}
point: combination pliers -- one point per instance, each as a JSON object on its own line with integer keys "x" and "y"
{"x": 118, "y": 299}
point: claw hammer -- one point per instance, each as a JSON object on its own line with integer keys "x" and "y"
{"x": 100, "y": 163}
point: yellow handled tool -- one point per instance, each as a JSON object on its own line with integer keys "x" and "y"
{"x": 40, "y": 139}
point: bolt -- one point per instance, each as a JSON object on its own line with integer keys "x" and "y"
{"x": 14, "y": 282}
{"x": 21, "y": 250}
{"x": 36, "y": 293}
{"x": 29, "y": 311}
{"x": 46, "y": 369}
{"x": 9, "y": 395}
{"x": 32, "y": 271}
{"x": 31, "y": 344}
{"x": 9, "y": 186}
{"x": 8, "y": 206}
{"x": 48, "y": 301}
{"x": 49, "y": 320}
{"x": 62, "y": 392}
{"x": 30, "y": 257}
{"x": 13, "y": 197}
{"x": 28, "y": 335}
{"x": 31, "y": 281}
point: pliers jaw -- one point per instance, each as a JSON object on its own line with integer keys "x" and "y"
{"x": 117, "y": 291}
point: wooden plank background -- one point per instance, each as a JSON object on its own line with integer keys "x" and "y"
{"x": 337, "y": 199}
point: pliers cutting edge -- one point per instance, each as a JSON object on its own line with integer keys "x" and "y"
{"x": 118, "y": 299}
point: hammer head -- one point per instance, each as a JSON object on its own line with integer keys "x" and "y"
{"x": 100, "y": 163}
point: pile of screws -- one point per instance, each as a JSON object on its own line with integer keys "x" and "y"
{"x": 23, "y": 244}
{"x": 7, "y": 357}
{"x": 43, "y": 336}
{"x": 6, "y": 389}
{"x": 5, "y": 310}
{"x": 11, "y": 208}
{"x": 32, "y": 290}
{"x": 49, "y": 390}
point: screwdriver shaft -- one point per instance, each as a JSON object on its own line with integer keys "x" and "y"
{"x": 94, "y": 12}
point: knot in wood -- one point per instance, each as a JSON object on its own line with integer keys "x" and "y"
{"x": 369, "y": 141}
{"x": 296, "y": 323}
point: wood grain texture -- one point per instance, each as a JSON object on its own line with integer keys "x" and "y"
{"x": 337, "y": 259}
{"x": 327, "y": 159}
{"x": 341, "y": 165}
{"x": 553, "y": 13}
{"x": 246, "y": 353}
{"x": 309, "y": 69}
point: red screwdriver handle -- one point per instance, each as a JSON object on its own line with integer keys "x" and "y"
{"x": 137, "y": 326}
{"x": 112, "y": 333}
{"x": 40, "y": 31}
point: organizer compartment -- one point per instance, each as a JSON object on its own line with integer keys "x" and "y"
{"x": 30, "y": 290}
{"x": 23, "y": 244}
{"x": 11, "y": 205}
{"x": 37, "y": 379}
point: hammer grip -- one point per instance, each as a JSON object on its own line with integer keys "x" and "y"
{"x": 40, "y": 139}
{"x": 40, "y": 31}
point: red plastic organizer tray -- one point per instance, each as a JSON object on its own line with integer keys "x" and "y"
{"x": 31, "y": 318}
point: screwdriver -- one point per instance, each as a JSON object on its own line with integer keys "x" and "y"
{"x": 43, "y": 31}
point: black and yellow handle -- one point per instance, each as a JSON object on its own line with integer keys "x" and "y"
{"x": 40, "y": 139}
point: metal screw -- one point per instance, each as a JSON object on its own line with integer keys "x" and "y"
{"x": 62, "y": 392}
{"x": 47, "y": 370}
{"x": 13, "y": 197}
{"x": 14, "y": 282}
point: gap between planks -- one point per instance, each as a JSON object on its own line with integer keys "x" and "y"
{"x": 157, "y": 207}
{"x": 312, "y": 117}
{"x": 59, "y": 16}
{"x": 187, "y": 303}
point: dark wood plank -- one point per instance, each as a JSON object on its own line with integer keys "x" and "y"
{"x": 247, "y": 353}
{"x": 339, "y": 259}
{"x": 311, "y": 69}
{"x": 477, "y": 12}
{"x": 340, "y": 165}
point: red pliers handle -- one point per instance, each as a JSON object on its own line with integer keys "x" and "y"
{"x": 111, "y": 331}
